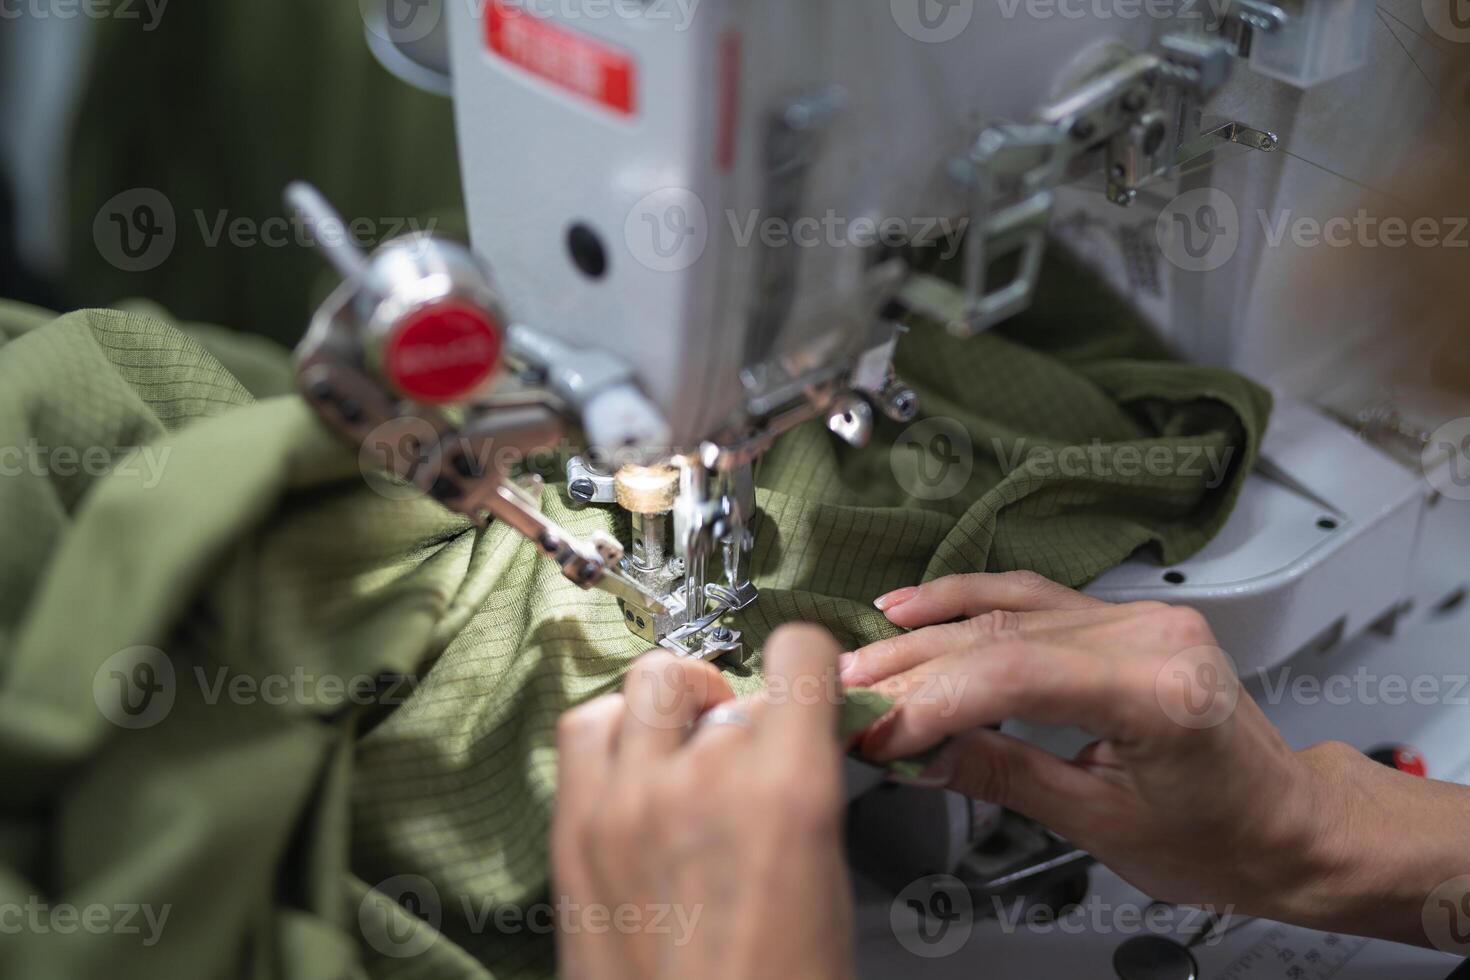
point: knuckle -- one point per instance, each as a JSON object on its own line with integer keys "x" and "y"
{"x": 994, "y": 624}
{"x": 1183, "y": 625}
{"x": 586, "y": 720}
{"x": 798, "y": 633}
{"x": 1028, "y": 582}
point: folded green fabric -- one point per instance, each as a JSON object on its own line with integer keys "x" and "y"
{"x": 312, "y": 715}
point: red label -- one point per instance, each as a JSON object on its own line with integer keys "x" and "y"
{"x": 567, "y": 59}
{"x": 442, "y": 352}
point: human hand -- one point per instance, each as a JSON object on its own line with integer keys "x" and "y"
{"x": 729, "y": 834}
{"x": 1189, "y": 792}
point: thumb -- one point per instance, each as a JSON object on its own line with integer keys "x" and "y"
{"x": 985, "y": 765}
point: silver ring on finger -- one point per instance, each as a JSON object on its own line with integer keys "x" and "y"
{"x": 725, "y": 714}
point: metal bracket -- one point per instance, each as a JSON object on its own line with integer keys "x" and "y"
{"x": 1134, "y": 113}
{"x": 1245, "y": 17}
{"x": 1231, "y": 132}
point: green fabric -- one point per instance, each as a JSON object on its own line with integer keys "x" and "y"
{"x": 254, "y": 548}
{"x": 218, "y": 106}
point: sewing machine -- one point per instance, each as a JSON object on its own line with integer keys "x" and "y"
{"x": 616, "y": 153}
{"x": 613, "y": 154}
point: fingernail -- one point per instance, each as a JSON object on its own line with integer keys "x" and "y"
{"x": 877, "y": 733}
{"x": 936, "y": 775}
{"x": 845, "y": 662}
{"x": 894, "y": 598}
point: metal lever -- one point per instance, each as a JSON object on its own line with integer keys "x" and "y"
{"x": 589, "y": 563}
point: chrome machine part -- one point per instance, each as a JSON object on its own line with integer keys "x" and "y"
{"x": 1129, "y": 121}
{"x": 401, "y": 361}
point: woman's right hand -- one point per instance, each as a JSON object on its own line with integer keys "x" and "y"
{"x": 1189, "y": 791}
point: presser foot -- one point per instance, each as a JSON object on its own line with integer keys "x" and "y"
{"x": 703, "y": 638}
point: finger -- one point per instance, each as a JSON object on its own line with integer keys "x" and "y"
{"x": 1025, "y": 679}
{"x": 586, "y": 738}
{"x": 664, "y": 695}
{"x": 987, "y": 765}
{"x": 713, "y": 740}
{"x": 885, "y": 658}
{"x": 868, "y": 665}
{"x": 970, "y": 595}
{"x": 802, "y": 691}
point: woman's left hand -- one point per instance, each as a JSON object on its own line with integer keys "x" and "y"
{"x": 712, "y": 850}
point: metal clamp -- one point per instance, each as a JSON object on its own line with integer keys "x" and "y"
{"x": 1134, "y": 113}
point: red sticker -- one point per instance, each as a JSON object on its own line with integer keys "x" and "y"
{"x": 442, "y": 352}
{"x": 568, "y": 59}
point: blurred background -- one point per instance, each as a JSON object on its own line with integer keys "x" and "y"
{"x": 144, "y": 147}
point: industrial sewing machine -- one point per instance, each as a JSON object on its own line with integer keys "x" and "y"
{"x": 613, "y": 152}
{"x": 605, "y": 148}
